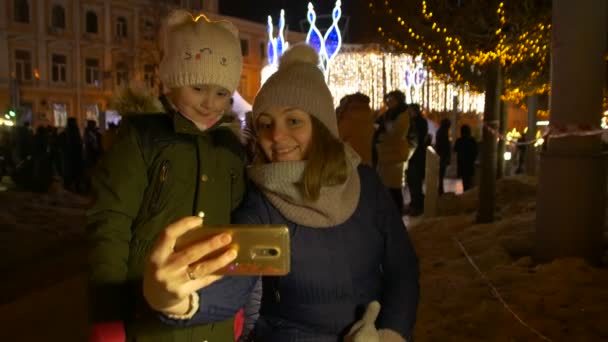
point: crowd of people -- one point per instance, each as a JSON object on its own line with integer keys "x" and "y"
{"x": 33, "y": 159}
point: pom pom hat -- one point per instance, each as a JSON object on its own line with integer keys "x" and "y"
{"x": 299, "y": 83}
{"x": 197, "y": 51}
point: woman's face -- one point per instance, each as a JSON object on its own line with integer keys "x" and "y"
{"x": 203, "y": 105}
{"x": 284, "y": 133}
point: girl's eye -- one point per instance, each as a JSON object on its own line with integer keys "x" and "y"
{"x": 222, "y": 93}
{"x": 264, "y": 124}
{"x": 196, "y": 88}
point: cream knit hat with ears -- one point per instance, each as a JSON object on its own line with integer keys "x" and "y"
{"x": 298, "y": 83}
{"x": 198, "y": 51}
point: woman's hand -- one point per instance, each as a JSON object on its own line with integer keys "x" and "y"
{"x": 170, "y": 277}
{"x": 364, "y": 330}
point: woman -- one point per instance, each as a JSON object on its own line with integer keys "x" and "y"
{"x": 349, "y": 246}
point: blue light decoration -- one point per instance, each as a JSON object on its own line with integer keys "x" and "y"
{"x": 271, "y": 43}
{"x": 408, "y": 78}
{"x": 326, "y": 46}
{"x": 333, "y": 38}
{"x": 314, "y": 37}
{"x": 276, "y": 46}
{"x": 282, "y": 45}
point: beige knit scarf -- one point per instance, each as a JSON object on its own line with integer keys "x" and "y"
{"x": 279, "y": 183}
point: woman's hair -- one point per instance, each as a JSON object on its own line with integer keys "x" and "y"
{"x": 327, "y": 164}
{"x": 326, "y": 161}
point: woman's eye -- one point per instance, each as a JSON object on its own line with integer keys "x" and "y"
{"x": 294, "y": 122}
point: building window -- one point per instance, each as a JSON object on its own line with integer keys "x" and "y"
{"x": 23, "y": 65}
{"x": 149, "y": 29}
{"x": 21, "y": 11}
{"x": 58, "y": 68}
{"x": 262, "y": 50}
{"x": 245, "y": 47}
{"x": 58, "y": 17}
{"x": 91, "y": 22}
{"x": 91, "y": 71}
{"x": 121, "y": 27}
{"x": 149, "y": 75}
{"x": 122, "y": 74}
{"x": 60, "y": 114}
{"x": 91, "y": 112}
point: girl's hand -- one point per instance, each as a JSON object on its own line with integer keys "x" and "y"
{"x": 170, "y": 277}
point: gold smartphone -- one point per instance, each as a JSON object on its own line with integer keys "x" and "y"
{"x": 262, "y": 249}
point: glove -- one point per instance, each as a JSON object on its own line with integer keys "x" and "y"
{"x": 387, "y": 335}
{"x": 364, "y": 330}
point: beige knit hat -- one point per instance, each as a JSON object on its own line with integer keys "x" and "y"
{"x": 298, "y": 83}
{"x": 198, "y": 51}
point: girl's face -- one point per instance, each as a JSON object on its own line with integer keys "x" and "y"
{"x": 203, "y": 105}
{"x": 284, "y": 133}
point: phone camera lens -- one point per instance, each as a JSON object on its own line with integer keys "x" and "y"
{"x": 273, "y": 252}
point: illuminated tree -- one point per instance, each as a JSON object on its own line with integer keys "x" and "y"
{"x": 486, "y": 45}
{"x": 460, "y": 38}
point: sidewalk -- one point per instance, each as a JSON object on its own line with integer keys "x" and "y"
{"x": 43, "y": 261}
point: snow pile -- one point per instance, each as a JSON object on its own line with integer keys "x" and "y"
{"x": 564, "y": 300}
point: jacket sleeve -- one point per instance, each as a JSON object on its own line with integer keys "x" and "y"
{"x": 219, "y": 301}
{"x": 400, "y": 267}
{"x": 119, "y": 182}
{"x": 223, "y": 299}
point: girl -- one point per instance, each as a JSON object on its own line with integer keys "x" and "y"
{"x": 161, "y": 171}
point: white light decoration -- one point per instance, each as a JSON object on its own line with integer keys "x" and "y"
{"x": 354, "y": 68}
{"x": 375, "y": 73}
{"x": 276, "y": 47}
{"x": 328, "y": 45}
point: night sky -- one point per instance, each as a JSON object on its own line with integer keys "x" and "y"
{"x": 295, "y": 11}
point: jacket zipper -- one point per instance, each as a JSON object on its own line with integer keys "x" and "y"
{"x": 162, "y": 179}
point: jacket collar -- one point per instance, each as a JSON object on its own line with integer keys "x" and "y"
{"x": 183, "y": 125}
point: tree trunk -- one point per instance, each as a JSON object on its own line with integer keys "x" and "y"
{"x": 502, "y": 145}
{"x": 572, "y": 184}
{"x": 487, "y": 179}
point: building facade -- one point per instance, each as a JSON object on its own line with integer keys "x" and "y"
{"x": 64, "y": 58}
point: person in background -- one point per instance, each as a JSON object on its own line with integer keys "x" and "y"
{"x": 393, "y": 146}
{"x": 73, "y": 157}
{"x": 356, "y": 125}
{"x": 466, "y": 154}
{"x": 443, "y": 147}
{"x": 417, "y": 163}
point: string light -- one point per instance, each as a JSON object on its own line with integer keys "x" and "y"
{"x": 365, "y": 70}
{"x": 530, "y": 45}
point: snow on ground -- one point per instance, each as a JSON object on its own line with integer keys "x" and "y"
{"x": 565, "y": 300}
